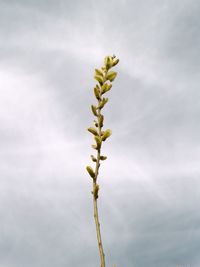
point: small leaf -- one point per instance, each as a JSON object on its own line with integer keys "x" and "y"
{"x": 99, "y": 72}
{"x": 99, "y": 78}
{"x": 111, "y": 75}
{"x": 103, "y": 157}
{"x": 90, "y": 171}
{"x": 94, "y": 110}
{"x": 92, "y": 130}
{"x": 93, "y": 158}
{"x": 106, "y": 134}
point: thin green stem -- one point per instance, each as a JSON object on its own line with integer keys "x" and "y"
{"x": 95, "y": 196}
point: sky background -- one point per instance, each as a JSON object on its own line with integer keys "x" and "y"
{"x": 149, "y": 198}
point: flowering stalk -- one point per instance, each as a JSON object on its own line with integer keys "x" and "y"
{"x": 104, "y": 77}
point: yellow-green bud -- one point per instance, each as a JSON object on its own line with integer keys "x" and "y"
{"x": 90, "y": 171}
{"x": 115, "y": 62}
{"x": 106, "y": 134}
{"x": 102, "y": 103}
{"x": 101, "y": 119}
{"x": 92, "y": 130}
{"x": 111, "y": 75}
{"x": 96, "y": 190}
{"x": 103, "y": 157}
{"x": 94, "y": 146}
{"x": 94, "y": 110}
{"x": 99, "y": 78}
{"x": 95, "y": 123}
{"x": 106, "y": 87}
{"x": 98, "y": 141}
{"x": 108, "y": 62}
{"x": 99, "y": 72}
{"x": 97, "y": 92}
{"x": 93, "y": 158}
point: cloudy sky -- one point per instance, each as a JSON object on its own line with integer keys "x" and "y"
{"x": 150, "y": 185}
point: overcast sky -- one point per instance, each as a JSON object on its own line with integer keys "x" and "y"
{"x": 149, "y": 198}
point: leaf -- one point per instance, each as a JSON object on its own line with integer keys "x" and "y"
{"x": 94, "y": 110}
{"x": 90, "y": 171}
{"x": 103, "y": 157}
{"x": 111, "y": 76}
{"x": 92, "y": 130}
{"x": 106, "y": 134}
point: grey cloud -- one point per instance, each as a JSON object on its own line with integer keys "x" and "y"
{"x": 182, "y": 40}
{"x": 149, "y": 197}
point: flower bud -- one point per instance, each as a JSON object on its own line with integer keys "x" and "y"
{"x": 98, "y": 141}
{"x": 92, "y": 130}
{"x": 94, "y": 110}
{"x": 115, "y": 62}
{"x": 111, "y": 76}
{"x": 108, "y": 62}
{"x": 101, "y": 119}
{"x": 99, "y": 72}
{"x": 94, "y": 146}
{"x": 96, "y": 190}
{"x": 102, "y": 103}
{"x": 99, "y": 78}
{"x": 90, "y": 171}
{"x": 103, "y": 157}
{"x": 106, "y": 134}
{"x": 93, "y": 158}
{"x": 97, "y": 93}
{"x": 106, "y": 87}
